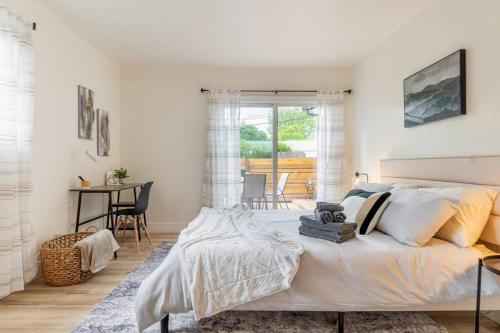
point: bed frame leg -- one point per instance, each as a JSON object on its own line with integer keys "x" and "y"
{"x": 340, "y": 322}
{"x": 164, "y": 325}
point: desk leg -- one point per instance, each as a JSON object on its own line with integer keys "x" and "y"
{"x": 135, "y": 201}
{"x": 107, "y": 217}
{"x": 478, "y": 299}
{"x": 77, "y": 224}
{"x": 117, "y": 208}
{"x": 110, "y": 215}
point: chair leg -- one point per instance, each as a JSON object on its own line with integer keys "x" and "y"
{"x": 278, "y": 200}
{"x": 284, "y": 199}
{"x": 143, "y": 225}
{"x": 136, "y": 234}
{"x": 117, "y": 227}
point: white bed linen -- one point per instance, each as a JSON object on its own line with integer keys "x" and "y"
{"x": 229, "y": 259}
{"x": 372, "y": 271}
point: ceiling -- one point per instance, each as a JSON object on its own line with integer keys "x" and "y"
{"x": 242, "y": 33}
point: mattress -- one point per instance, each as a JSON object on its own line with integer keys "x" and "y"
{"x": 369, "y": 272}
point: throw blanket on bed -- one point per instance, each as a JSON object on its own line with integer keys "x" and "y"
{"x": 230, "y": 260}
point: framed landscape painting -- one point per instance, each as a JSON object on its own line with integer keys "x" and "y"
{"x": 86, "y": 114}
{"x": 103, "y": 135}
{"x": 436, "y": 92}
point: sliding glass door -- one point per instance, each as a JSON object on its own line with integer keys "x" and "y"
{"x": 278, "y": 156}
{"x": 296, "y": 157}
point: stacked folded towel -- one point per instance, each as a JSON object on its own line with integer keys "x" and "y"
{"x": 328, "y": 222}
{"x": 327, "y": 212}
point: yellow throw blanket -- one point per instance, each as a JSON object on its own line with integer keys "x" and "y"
{"x": 97, "y": 250}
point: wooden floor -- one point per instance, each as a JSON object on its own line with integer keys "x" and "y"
{"x": 42, "y": 309}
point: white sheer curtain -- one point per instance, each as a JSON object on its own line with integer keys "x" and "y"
{"x": 222, "y": 188}
{"x": 329, "y": 171}
{"x": 18, "y": 259}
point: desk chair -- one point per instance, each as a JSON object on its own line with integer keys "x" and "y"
{"x": 132, "y": 216}
{"x": 129, "y": 204}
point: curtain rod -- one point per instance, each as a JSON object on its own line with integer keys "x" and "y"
{"x": 348, "y": 91}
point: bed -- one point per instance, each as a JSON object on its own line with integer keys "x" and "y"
{"x": 370, "y": 273}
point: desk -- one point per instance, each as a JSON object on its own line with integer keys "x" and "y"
{"x": 109, "y": 189}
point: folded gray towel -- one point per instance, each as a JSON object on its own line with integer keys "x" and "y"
{"x": 328, "y": 206}
{"x": 323, "y": 217}
{"x": 311, "y": 221}
{"x": 332, "y": 237}
{"x": 339, "y": 217}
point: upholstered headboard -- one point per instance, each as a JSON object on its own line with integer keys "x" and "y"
{"x": 473, "y": 171}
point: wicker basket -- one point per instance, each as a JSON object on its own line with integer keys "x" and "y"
{"x": 61, "y": 261}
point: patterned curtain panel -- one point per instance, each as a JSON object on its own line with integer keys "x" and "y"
{"x": 18, "y": 259}
{"x": 222, "y": 188}
{"x": 329, "y": 172}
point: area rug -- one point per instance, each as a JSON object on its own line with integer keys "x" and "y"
{"x": 115, "y": 313}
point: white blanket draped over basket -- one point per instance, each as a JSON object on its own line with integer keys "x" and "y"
{"x": 230, "y": 260}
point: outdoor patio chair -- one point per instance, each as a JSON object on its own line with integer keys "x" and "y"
{"x": 254, "y": 189}
{"x": 281, "y": 189}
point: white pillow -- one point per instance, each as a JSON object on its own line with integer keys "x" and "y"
{"x": 374, "y": 187}
{"x": 474, "y": 209}
{"x": 413, "y": 216}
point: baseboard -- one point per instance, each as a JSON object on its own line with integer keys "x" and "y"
{"x": 494, "y": 315}
{"x": 166, "y": 227}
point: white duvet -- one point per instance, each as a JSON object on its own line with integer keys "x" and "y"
{"x": 228, "y": 260}
{"x": 369, "y": 272}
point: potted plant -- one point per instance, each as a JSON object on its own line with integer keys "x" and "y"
{"x": 121, "y": 174}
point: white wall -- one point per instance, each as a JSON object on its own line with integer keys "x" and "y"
{"x": 163, "y": 127}
{"x": 62, "y": 61}
{"x": 441, "y": 28}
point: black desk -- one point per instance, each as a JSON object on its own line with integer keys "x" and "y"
{"x": 109, "y": 189}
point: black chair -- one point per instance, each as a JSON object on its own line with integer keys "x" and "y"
{"x": 131, "y": 217}
{"x": 128, "y": 204}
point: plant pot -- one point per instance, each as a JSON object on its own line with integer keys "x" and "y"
{"x": 121, "y": 181}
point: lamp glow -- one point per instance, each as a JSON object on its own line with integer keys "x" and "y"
{"x": 357, "y": 177}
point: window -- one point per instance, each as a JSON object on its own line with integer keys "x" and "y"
{"x": 278, "y": 150}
